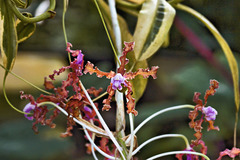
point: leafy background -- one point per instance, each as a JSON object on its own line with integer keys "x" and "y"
{"x": 182, "y": 72}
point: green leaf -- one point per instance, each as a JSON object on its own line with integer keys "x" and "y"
{"x": 8, "y": 36}
{"x": 24, "y": 30}
{"x": 225, "y": 47}
{"x": 8, "y": 42}
{"x": 154, "y": 22}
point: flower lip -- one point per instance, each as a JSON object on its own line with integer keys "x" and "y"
{"x": 210, "y": 113}
{"x": 27, "y": 109}
{"x": 117, "y": 81}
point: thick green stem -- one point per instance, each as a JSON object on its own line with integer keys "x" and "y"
{"x": 48, "y": 14}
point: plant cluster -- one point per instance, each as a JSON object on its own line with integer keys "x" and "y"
{"x": 127, "y": 83}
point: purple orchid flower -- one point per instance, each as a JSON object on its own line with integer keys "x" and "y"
{"x": 117, "y": 81}
{"x": 79, "y": 58}
{"x": 27, "y": 109}
{"x": 210, "y": 113}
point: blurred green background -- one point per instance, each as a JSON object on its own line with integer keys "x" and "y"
{"x": 182, "y": 71}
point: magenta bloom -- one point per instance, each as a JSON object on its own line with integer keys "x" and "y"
{"x": 117, "y": 81}
{"x": 210, "y": 113}
{"x": 79, "y": 57}
{"x": 75, "y": 53}
{"x": 28, "y": 108}
{"x": 88, "y": 112}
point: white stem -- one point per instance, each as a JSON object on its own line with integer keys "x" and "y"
{"x": 130, "y": 154}
{"x": 93, "y": 138}
{"x": 177, "y": 152}
{"x": 77, "y": 121}
{"x": 158, "y": 113}
{"x": 115, "y": 24}
{"x": 96, "y": 147}
{"x": 120, "y": 113}
{"x": 160, "y": 137}
{"x": 102, "y": 121}
{"x": 93, "y": 152}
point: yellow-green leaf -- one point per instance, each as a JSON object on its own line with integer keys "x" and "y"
{"x": 24, "y": 30}
{"x": 225, "y": 47}
{"x": 154, "y": 22}
{"x": 8, "y": 36}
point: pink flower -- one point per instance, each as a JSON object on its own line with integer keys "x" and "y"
{"x": 210, "y": 113}
{"x": 27, "y": 109}
{"x": 117, "y": 81}
{"x": 75, "y": 53}
{"x": 79, "y": 58}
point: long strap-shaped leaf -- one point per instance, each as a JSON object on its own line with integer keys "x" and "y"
{"x": 8, "y": 42}
{"x": 154, "y": 22}
{"x": 8, "y": 36}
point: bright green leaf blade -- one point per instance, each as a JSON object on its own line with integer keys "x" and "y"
{"x": 228, "y": 53}
{"x": 24, "y": 30}
{"x": 8, "y": 36}
{"x": 154, "y": 22}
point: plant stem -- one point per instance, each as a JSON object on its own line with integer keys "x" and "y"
{"x": 120, "y": 112}
{"x": 100, "y": 96}
{"x": 178, "y": 152}
{"x": 130, "y": 154}
{"x": 235, "y": 130}
{"x": 115, "y": 25}
{"x": 65, "y": 5}
{"x": 48, "y": 14}
{"x": 93, "y": 145}
{"x": 75, "y": 119}
{"x": 5, "y": 95}
{"x": 158, "y": 113}
{"x": 160, "y": 137}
